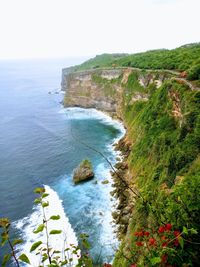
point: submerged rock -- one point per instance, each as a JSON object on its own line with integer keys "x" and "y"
{"x": 83, "y": 172}
{"x": 105, "y": 182}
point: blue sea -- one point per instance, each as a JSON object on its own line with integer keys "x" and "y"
{"x": 40, "y": 145}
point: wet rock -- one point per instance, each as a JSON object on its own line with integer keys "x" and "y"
{"x": 83, "y": 172}
{"x": 105, "y": 182}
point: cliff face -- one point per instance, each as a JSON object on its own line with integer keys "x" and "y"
{"x": 159, "y": 176}
{"x": 92, "y": 89}
{"x": 103, "y": 89}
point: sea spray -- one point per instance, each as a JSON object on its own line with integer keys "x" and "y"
{"x": 28, "y": 224}
{"x": 95, "y": 204}
{"x": 76, "y": 113}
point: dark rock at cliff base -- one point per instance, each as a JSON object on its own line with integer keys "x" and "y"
{"x": 83, "y": 172}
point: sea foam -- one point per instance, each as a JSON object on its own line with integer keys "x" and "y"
{"x": 76, "y": 113}
{"x": 28, "y": 224}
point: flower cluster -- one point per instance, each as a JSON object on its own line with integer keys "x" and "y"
{"x": 163, "y": 236}
{"x": 153, "y": 243}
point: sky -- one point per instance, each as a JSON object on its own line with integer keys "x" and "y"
{"x": 75, "y": 28}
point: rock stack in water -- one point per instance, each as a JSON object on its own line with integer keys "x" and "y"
{"x": 83, "y": 172}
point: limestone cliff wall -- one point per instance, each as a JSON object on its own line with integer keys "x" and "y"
{"x": 104, "y": 89}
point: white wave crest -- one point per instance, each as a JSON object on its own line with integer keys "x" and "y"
{"x": 64, "y": 240}
{"x": 76, "y": 113}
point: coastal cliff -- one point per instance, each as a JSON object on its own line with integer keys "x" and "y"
{"x": 104, "y": 89}
{"x": 157, "y": 183}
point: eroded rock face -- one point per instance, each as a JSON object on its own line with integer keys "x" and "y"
{"x": 83, "y": 172}
{"x": 92, "y": 89}
{"x": 104, "y": 89}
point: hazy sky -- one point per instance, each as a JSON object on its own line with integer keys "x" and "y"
{"x": 54, "y": 28}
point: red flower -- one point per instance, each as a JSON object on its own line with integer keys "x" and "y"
{"x": 168, "y": 227}
{"x": 139, "y": 244}
{"x": 152, "y": 241}
{"x": 164, "y": 258}
{"x": 133, "y": 265}
{"x": 176, "y": 233}
{"x": 107, "y": 265}
{"x": 164, "y": 244}
{"x": 139, "y": 233}
{"x": 146, "y": 233}
{"x": 176, "y": 243}
{"x": 161, "y": 229}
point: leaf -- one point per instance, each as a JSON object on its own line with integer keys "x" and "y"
{"x": 39, "y": 229}
{"x": 85, "y": 244}
{"x": 37, "y": 201}
{"x": 17, "y": 241}
{"x": 155, "y": 260}
{"x": 193, "y": 231}
{"x": 6, "y": 258}
{"x": 35, "y": 245}
{"x": 45, "y": 204}
{"x": 4, "y": 237}
{"x": 45, "y": 257}
{"x": 64, "y": 262}
{"x": 39, "y": 190}
{"x": 181, "y": 241}
{"x": 185, "y": 230}
{"x": 24, "y": 258}
{"x": 56, "y": 251}
{"x": 55, "y": 232}
{"x": 45, "y": 195}
{"x": 4, "y": 222}
{"x": 55, "y": 217}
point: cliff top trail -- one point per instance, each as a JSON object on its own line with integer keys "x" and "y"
{"x": 173, "y": 72}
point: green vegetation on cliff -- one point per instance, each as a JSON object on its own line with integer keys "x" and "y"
{"x": 165, "y": 168}
{"x": 163, "y": 177}
{"x": 181, "y": 58}
{"x": 185, "y": 58}
{"x": 163, "y": 127}
{"x": 99, "y": 61}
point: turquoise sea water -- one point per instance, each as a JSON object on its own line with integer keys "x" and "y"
{"x": 39, "y": 146}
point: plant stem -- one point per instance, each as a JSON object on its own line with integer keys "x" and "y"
{"x": 47, "y": 235}
{"x": 13, "y": 253}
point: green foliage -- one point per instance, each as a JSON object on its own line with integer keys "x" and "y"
{"x": 48, "y": 255}
{"x": 194, "y": 72}
{"x": 86, "y": 163}
{"x": 35, "y": 245}
{"x": 105, "y": 84}
{"x": 24, "y": 258}
{"x": 165, "y": 163}
{"x": 185, "y": 58}
{"x": 98, "y": 62}
{"x": 6, "y": 258}
{"x": 39, "y": 229}
{"x": 55, "y": 232}
{"x": 55, "y": 217}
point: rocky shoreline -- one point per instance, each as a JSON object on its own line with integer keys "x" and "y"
{"x": 122, "y": 192}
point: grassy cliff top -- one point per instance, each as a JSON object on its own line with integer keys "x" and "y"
{"x": 184, "y": 58}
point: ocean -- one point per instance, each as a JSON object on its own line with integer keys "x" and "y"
{"x": 40, "y": 145}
